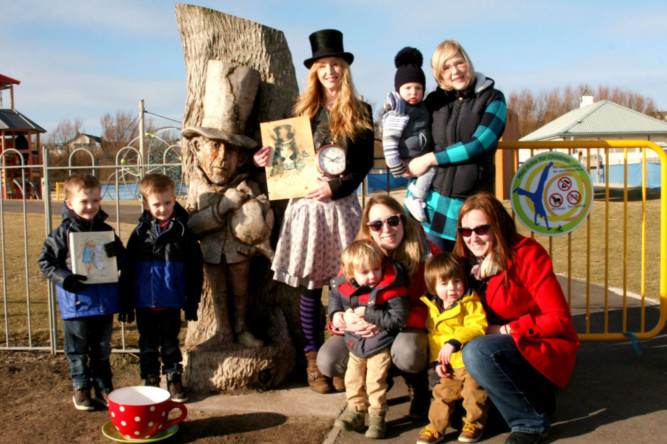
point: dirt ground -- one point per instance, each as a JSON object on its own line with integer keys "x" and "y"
{"x": 36, "y": 407}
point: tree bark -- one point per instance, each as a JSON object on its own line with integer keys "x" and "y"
{"x": 273, "y": 308}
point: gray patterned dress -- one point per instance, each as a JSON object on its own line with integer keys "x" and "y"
{"x": 314, "y": 233}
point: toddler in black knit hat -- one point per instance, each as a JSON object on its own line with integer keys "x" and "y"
{"x": 406, "y": 129}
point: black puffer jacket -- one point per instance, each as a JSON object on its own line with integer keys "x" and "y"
{"x": 455, "y": 116}
{"x": 56, "y": 264}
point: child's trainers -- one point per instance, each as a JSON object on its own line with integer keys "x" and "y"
{"x": 351, "y": 421}
{"x": 377, "y": 428}
{"x": 416, "y": 208}
{"x": 469, "y": 433}
{"x": 429, "y": 436}
{"x": 82, "y": 399}
{"x": 175, "y": 387}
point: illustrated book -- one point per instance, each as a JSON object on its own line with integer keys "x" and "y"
{"x": 291, "y": 170}
{"x": 89, "y": 258}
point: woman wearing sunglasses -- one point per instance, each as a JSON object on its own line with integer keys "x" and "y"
{"x": 317, "y": 228}
{"x": 531, "y": 345}
{"x": 385, "y": 223}
{"x": 467, "y": 120}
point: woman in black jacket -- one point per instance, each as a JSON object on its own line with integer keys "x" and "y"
{"x": 467, "y": 119}
{"x": 317, "y": 228}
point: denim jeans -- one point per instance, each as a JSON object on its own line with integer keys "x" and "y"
{"x": 522, "y": 395}
{"x": 87, "y": 347}
{"x": 445, "y": 245}
{"x": 158, "y": 338}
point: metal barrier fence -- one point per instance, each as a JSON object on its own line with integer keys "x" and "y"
{"x": 612, "y": 268}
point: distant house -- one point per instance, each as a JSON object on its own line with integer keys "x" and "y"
{"x": 84, "y": 141}
{"x": 605, "y": 120}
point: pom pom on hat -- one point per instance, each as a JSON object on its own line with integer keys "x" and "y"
{"x": 408, "y": 56}
{"x": 408, "y": 62}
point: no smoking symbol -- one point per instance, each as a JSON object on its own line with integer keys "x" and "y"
{"x": 564, "y": 183}
{"x": 573, "y": 197}
{"x": 556, "y": 200}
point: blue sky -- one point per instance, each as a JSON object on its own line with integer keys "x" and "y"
{"x": 85, "y": 58}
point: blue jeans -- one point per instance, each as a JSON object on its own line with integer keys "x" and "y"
{"x": 521, "y": 394}
{"x": 445, "y": 245}
{"x": 158, "y": 338}
{"x": 87, "y": 347}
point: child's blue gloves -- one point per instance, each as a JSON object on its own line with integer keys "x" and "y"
{"x": 74, "y": 283}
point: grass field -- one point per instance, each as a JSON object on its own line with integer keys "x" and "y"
{"x": 593, "y": 253}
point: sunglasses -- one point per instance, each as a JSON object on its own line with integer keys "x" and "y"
{"x": 479, "y": 231}
{"x": 392, "y": 221}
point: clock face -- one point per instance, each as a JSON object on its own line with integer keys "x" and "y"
{"x": 331, "y": 160}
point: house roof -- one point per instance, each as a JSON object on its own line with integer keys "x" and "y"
{"x": 4, "y": 81}
{"x": 603, "y": 118}
{"x": 90, "y": 138}
{"x": 11, "y": 119}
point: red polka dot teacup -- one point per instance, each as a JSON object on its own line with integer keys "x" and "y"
{"x": 142, "y": 412}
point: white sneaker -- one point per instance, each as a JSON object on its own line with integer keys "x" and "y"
{"x": 416, "y": 208}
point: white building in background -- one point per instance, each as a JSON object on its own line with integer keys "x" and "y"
{"x": 603, "y": 120}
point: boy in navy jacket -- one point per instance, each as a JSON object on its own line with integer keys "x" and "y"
{"x": 163, "y": 274}
{"x": 86, "y": 309}
{"x": 368, "y": 304}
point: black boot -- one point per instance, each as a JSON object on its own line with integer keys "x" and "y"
{"x": 420, "y": 396}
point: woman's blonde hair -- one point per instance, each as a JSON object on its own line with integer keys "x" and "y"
{"x": 348, "y": 117}
{"x": 409, "y": 252}
{"x": 445, "y": 51}
{"x": 358, "y": 255}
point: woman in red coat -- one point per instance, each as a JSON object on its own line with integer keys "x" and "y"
{"x": 531, "y": 344}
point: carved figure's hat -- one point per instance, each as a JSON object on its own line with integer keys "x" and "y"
{"x": 327, "y": 43}
{"x": 229, "y": 96}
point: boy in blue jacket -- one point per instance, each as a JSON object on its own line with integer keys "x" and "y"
{"x": 162, "y": 275}
{"x": 86, "y": 309}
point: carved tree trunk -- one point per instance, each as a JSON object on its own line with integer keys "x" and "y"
{"x": 273, "y": 308}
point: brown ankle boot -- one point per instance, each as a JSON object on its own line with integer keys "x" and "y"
{"x": 339, "y": 383}
{"x": 316, "y": 380}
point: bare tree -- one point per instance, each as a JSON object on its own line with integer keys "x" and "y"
{"x": 536, "y": 111}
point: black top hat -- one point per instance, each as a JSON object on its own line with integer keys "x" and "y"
{"x": 327, "y": 43}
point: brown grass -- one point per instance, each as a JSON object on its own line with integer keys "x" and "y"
{"x": 594, "y": 253}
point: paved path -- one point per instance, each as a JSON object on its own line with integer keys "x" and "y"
{"x": 614, "y": 396}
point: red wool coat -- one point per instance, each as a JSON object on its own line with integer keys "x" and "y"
{"x": 535, "y": 308}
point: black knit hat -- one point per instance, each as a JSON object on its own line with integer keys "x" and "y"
{"x": 408, "y": 62}
{"x": 327, "y": 43}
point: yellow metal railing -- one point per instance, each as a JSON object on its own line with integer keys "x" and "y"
{"x": 620, "y": 235}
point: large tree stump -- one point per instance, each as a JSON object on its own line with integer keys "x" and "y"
{"x": 273, "y": 308}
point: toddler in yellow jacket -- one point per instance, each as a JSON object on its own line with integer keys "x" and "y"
{"x": 455, "y": 317}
